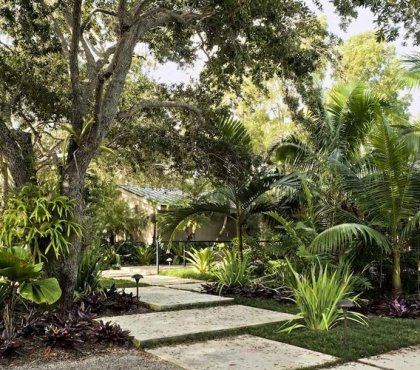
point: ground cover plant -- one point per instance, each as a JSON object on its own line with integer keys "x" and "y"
{"x": 361, "y": 340}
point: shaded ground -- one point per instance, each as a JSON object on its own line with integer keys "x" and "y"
{"x": 116, "y": 359}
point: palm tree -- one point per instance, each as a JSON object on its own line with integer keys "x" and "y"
{"x": 386, "y": 189}
{"x": 239, "y": 200}
{"x": 347, "y": 117}
{"x": 369, "y": 165}
{"x": 413, "y": 71}
{"x": 238, "y": 203}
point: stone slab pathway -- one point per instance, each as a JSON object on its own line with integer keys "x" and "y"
{"x": 157, "y": 326}
{"x": 245, "y": 352}
{"x": 162, "y": 298}
{"x": 194, "y": 287}
{"x": 403, "y": 359}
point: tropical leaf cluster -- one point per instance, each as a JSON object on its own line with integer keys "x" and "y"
{"x": 39, "y": 220}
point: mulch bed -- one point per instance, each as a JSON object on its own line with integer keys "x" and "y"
{"x": 74, "y": 333}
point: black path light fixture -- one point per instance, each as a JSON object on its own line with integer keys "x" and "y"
{"x": 137, "y": 278}
{"x": 345, "y": 305}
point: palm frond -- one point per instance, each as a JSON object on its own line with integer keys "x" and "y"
{"x": 342, "y": 236}
{"x": 173, "y": 219}
{"x": 288, "y": 227}
{"x": 234, "y": 131}
{"x": 412, "y": 76}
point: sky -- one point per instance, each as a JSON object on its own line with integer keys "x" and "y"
{"x": 170, "y": 73}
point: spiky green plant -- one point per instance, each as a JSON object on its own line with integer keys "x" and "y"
{"x": 40, "y": 220}
{"x": 88, "y": 276}
{"x": 145, "y": 254}
{"x": 317, "y": 294}
{"x": 233, "y": 271}
{"x": 202, "y": 259}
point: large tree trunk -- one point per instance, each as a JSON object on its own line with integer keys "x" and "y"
{"x": 72, "y": 186}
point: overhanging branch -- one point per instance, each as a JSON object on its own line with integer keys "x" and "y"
{"x": 93, "y": 12}
{"x": 157, "y": 104}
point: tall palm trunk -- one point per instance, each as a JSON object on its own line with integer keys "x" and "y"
{"x": 396, "y": 274}
{"x": 240, "y": 239}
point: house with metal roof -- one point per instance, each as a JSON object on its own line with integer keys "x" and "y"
{"x": 151, "y": 201}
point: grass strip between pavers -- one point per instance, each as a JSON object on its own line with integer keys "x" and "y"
{"x": 188, "y": 273}
{"x": 381, "y": 336}
{"x": 120, "y": 283}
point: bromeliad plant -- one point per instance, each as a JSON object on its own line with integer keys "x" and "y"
{"x": 39, "y": 220}
{"x": 317, "y": 294}
{"x": 203, "y": 260}
{"x": 22, "y": 278}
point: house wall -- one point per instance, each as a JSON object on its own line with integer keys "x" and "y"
{"x": 209, "y": 231}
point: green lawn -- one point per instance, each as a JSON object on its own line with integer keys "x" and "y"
{"x": 107, "y": 283}
{"x": 382, "y": 334}
{"x": 188, "y": 273}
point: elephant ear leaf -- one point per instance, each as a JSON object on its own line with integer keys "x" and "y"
{"x": 41, "y": 291}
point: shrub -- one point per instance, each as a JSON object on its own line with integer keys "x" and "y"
{"x": 177, "y": 251}
{"x": 233, "y": 272}
{"x": 145, "y": 254}
{"x": 202, "y": 259}
{"x": 401, "y": 308}
{"x": 22, "y": 278}
{"x": 317, "y": 295}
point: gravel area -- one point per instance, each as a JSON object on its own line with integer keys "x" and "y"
{"x": 129, "y": 361}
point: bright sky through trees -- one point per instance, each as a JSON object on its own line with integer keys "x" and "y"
{"x": 170, "y": 73}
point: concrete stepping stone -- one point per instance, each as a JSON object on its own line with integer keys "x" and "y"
{"x": 155, "y": 326}
{"x": 162, "y": 298}
{"x": 403, "y": 359}
{"x": 195, "y": 287}
{"x": 245, "y": 352}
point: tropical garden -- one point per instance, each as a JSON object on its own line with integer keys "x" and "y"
{"x": 305, "y": 144}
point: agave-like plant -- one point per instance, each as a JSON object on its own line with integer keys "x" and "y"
{"x": 202, "y": 260}
{"x": 23, "y": 278}
{"x": 233, "y": 271}
{"x": 317, "y": 295}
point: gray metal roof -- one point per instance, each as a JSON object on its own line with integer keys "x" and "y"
{"x": 156, "y": 195}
